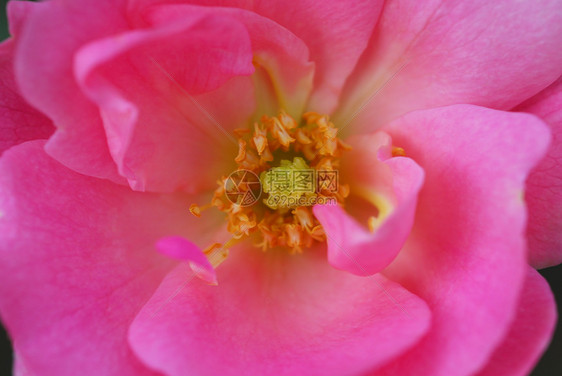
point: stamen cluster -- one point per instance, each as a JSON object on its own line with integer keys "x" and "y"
{"x": 274, "y": 140}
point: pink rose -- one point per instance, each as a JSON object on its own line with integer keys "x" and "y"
{"x": 442, "y": 120}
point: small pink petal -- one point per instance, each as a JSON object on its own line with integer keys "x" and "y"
{"x": 351, "y": 246}
{"x": 182, "y": 249}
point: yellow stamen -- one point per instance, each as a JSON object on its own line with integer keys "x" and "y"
{"x": 260, "y": 139}
{"x": 304, "y": 217}
{"x": 280, "y": 133}
{"x": 196, "y": 209}
{"x": 372, "y": 223}
{"x": 398, "y": 152}
{"x": 210, "y": 249}
{"x": 291, "y": 225}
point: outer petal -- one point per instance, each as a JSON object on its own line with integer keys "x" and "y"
{"x": 143, "y": 81}
{"x": 544, "y": 186}
{"x": 490, "y": 53}
{"x": 275, "y": 314}
{"x": 50, "y": 37}
{"x": 77, "y": 263}
{"x": 281, "y": 59}
{"x": 19, "y": 121}
{"x": 351, "y": 246}
{"x": 335, "y": 31}
{"x": 466, "y": 255}
{"x": 530, "y": 332}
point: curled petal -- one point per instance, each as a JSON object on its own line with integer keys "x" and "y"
{"x": 144, "y": 82}
{"x": 47, "y": 81}
{"x": 394, "y": 184}
{"x": 284, "y": 73}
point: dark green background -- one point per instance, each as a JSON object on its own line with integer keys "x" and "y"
{"x": 550, "y": 364}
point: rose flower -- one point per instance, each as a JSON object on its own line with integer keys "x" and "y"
{"x": 280, "y": 188}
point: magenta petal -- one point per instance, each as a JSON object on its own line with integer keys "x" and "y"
{"x": 544, "y": 185}
{"x": 283, "y": 68}
{"x": 19, "y": 122}
{"x": 351, "y": 246}
{"x": 182, "y": 249}
{"x": 335, "y": 31}
{"x": 17, "y": 11}
{"x": 436, "y": 53}
{"x": 274, "y": 314}
{"x": 467, "y": 252}
{"x": 47, "y": 82}
{"x": 77, "y": 261}
{"x": 530, "y": 331}
{"x": 144, "y": 81}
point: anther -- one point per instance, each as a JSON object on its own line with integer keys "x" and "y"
{"x": 372, "y": 224}
{"x": 196, "y": 209}
{"x": 398, "y": 152}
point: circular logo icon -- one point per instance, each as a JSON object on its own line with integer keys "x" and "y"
{"x": 243, "y": 188}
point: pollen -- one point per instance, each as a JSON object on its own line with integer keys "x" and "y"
{"x": 398, "y": 152}
{"x": 294, "y": 165}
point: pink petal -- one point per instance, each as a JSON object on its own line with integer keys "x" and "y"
{"x": 77, "y": 263}
{"x": 51, "y": 35}
{"x": 276, "y": 314}
{"x": 335, "y": 31}
{"x": 544, "y": 186}
{"x": 19, "y": 122}
{"x": 17, "y": 12}
{"x": 182, "y": 249}
{"x": 490, "y": 53}
{"x": 281, "y": 59}
{"x": 530, "y": 332}
{"x": 351, "y": 246}
{"x": 20, "y": 367}
{"x": 143, "y": 81}
{"x": 466, "y": 255}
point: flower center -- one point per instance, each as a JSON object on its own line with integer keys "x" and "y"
{"x": 295, "y": 166}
